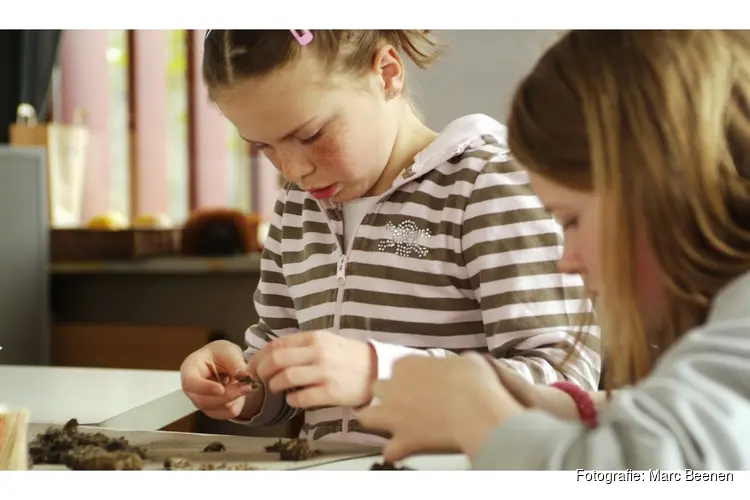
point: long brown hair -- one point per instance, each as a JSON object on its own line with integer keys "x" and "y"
{"x": 657, "y": 123}
{"x": 232, "y": 55}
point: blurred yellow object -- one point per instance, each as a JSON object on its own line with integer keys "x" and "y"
{"x": 112, "y": 221}
{"x": 14, "y": 451}
{"x": 152, "y": 221}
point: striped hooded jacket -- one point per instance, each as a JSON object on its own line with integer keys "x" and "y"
{"x": 457, "y": 255}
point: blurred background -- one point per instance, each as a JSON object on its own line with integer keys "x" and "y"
{"x": 157, "y": 145}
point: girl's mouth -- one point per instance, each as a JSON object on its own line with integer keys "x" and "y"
{"x": 323, "y": 193}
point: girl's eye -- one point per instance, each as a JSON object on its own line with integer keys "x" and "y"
{"x": 312, "y": 138}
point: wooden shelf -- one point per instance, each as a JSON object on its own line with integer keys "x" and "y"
{"x": 164, "y": 265}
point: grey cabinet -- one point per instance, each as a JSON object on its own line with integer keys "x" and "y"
{"x": 24, "y": 276}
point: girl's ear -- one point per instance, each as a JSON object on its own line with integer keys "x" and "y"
{"x": 390, "y": 68}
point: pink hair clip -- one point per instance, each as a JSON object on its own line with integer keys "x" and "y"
{"x": 302, "y": 36}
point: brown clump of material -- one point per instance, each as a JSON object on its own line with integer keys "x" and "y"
{"x": 95, "y": 458}
{"x": 387, "y": 466}
{"x": 296, "y": 450}
{"x": 293, "y": 450}
{"x": 216, "y": 446}
{"x": 254, "y": 383}
{"x": 177, "y": 464}
{"x": 68, "y": 446}
{"x": 275, "y": 447}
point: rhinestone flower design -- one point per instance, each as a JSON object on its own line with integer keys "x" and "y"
{"x": 405, "y": 239}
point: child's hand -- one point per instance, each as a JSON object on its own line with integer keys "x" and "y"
{"x": 318, "y": 369}
{"x": 216, "y": 399}
{"x": 438, "y": 405}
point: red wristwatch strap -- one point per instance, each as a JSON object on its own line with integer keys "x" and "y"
{"x": 586, "y": 407}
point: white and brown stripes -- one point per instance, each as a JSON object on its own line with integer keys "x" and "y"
{"x": 485, "y": 280}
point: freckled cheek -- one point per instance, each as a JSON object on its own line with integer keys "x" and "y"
{"x": 329, "y": 156}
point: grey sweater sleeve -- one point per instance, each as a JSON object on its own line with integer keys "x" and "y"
{"x": 692, "y": 412}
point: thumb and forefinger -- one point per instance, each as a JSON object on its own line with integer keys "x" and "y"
{"x": 229, "y": 358}
{"x": 197, "y": 373}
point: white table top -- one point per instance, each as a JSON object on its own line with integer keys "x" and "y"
{"x": 420, "y": 462}
{"x": 124, "y": 399}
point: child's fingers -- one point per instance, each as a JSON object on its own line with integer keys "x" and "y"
{"x": 296, "y": 376}
{"x": 194, "y": 382}
{"x": 234, "y": 391}
{"x": 377, "y": 417}
{"x": 312, "y": 396}
{"x": 229, "y": 359}
{"x": 278, "y": 360}
{"x": 203, "y": 402}
{"x": 515, "y": 384}
{"x": 251, "y": 367}
{"x": 210, "y": 403}
{"x": 397, "y": 449}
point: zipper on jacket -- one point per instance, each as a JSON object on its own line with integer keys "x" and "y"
{"x": 341, "y": 268}
{"x": 341, "y": 278}
{"x": 340, "y": 281}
